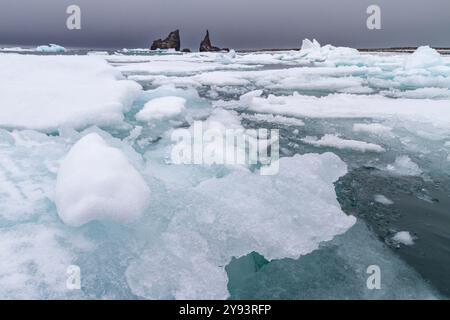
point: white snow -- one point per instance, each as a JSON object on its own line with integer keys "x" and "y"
{"x": 96, "y": 182}
{"x": 404, "y": 237}
{"x": 435, "y": 112}
{"x": 423, "y": 57}
{"x": 310, "y": 45}
{"x": 49, "y": 92}
{"x": 404, "y": 166}
{"x": 372, "y": 128}
{"x": 162, "y": 108}
{"x": 383, "y": 200}
{"x": 334, "y": 141}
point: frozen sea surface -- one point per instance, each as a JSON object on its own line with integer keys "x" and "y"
{"x": 365, "y": 157}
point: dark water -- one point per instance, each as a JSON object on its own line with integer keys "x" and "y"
{"x": 421, "y": 206}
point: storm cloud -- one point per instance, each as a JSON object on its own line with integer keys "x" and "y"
{"x": 240, "y": 24}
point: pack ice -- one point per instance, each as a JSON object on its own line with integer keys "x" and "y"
{"x": 50, "y": 92}
{"x": 86, "y": 176}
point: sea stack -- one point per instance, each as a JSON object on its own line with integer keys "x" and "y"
{"x": 206, "y": 46}
{"x": 171, "y": 42}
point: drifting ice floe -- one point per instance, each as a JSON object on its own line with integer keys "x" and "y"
{"x": 404, "y": 166}
{"x": 334, "y": 141}
{"x": 48, "y": 92}
{"x": 403, "y": 237}
{"x": 383, "y": 200}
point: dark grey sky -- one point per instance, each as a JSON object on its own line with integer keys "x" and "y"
{"x": 236, "y": 24}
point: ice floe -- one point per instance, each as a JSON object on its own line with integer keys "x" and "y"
{"x": 404, "y": 237}
{"x": 49, "y": 92}
{"x": 334, "y": 141}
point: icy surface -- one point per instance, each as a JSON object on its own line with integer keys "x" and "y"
{"x": 112, "y": 201}
{"x": 220, "y": 224}
{"x": 96, "y": 182}
{"x": 48, "y": 92}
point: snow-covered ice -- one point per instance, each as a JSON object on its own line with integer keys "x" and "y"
{"x": 334, "y": 141}
{"x": 87, "y": 177}
{"x": 161, "y": 108}
{"x": 96, "y": 182}
{"x": 49, "y": 92}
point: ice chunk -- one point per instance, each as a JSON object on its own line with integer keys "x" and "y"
{"x": 383, "y": 200}
{"x": 404, "y": 237}
{"x": 404, "y": 166}
{"x": 310, "y": 45}
{"x": 372, "y": 128}
{"x": 53, "y": 48}
{"x": 161, "y": 108}
{"x": 48, "y": 92}
{"x": 423, "y": 57}
{"x": 331, "y": 140}
{"x": 96, "y": 182}
{"x": 278, "y": 216}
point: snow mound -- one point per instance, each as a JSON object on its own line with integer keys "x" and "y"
{"x": 96, "y": 182}
{"x": 48, "y": 92}
{"x": 331, "y": 140}
{"x": 161, "y": 108}
{"x": 423, "y": 57}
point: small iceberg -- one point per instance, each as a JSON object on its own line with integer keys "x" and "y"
{"x": 53, "y": 48}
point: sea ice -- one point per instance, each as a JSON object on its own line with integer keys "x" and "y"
{"x": 372, "y": 128}
{"x": 383, "y": 200}
{"x": 404, "y": 166}
{"x": 334, "y": 141}
{"x": 161, "y": 108}
{"x": 404, "y": 237}
{"x": 53, "y": 48}
{"x": 423, "y": 57}
{"x": 96, "y": 182}
{"x": 216, "y": 222}
{"x": 49, "y": 92}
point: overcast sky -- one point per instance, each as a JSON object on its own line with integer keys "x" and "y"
{"x": 240, "y": 24}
